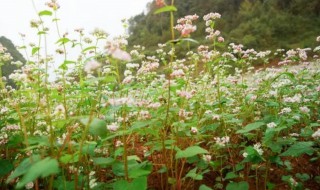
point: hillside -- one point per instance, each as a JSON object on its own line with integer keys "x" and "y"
{"x": 258, "y": 24}
{"x": 8, "y": 68}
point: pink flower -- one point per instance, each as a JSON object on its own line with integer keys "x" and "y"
{"x": 220, "y": 39}
{"x": 113, "y": 127}
{"x": 128, "y": 79}
{"x": 91, "y": 66}
{"x": 120, "y": 54}
{"x": 185, "y": 94}
{"x": 177, "y": 73}
{"x": 188, "y": 29}
{"x": 185, "y": 25}
{"x": 160, "y": 3}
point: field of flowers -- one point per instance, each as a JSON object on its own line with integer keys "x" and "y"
{"x": 118, "y": 119}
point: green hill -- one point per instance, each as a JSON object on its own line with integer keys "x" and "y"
{"x": 258, "y": 24}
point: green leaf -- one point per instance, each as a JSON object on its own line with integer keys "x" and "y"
{"x": 62, "y": 41}
{"x": 243, "y": 185}
{"x": 138, "y": 184}
{"x": 271, "y": 186}
{"x": 6, "y": 167}
{"x": 194, "y": 175}
{"x": 162, "y": 170}
{"x": 121, "y": 185}
{"x": 45, "y": 13}
{"x": 69, "y": 158}
{"x": 23, "y": 167}
{"x": 299, "y": 148}
{"x": 103, "y": 161}
{"x": 65, "y": 63}
{"x": 272, "y": 104}
{"x": 35, "y": 50}
{"x": 303, "y": 177}
{"x": 168, "y": 8}
{"x": 96, "y": 126}
{"x": 189, "y": 40}
{"x": 62, "y": 183}
{"x": 253, "y": 155}
{"x": 204, "y": 187}
{"x": 183, "y": 40}
{"x": 41, "y": 32}
{"x": 289, "y": 75}
{"x": 39, "y": 140}
{"x": 231, "y": 175}
{"x": 42, "y": 169}
{"x": 250, "y": 127}
{"x": 88, "y": 48}
{"x": 190, "y": 151}
{"x": 138, "y": 172}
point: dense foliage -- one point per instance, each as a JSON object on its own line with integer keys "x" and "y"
{"x": 258, "y": 24}
{"x": 151, "y": 120}
{"x": 17, "y": 58}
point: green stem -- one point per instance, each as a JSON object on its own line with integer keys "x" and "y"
{"x": 125, "y": 153}
{"x": 63, "y": 70}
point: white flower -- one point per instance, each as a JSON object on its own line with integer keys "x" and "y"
{"x": 258, "y": 148}
{"x": 211, "y": 16}
{"x": 222, "y": 141}
{"x": 118, "y": 143}
{"x": 144, "y": 115}
{"x": 294, "y": 134}
{"x": 194, "y": 130}
{"x": 318, "y": 39}
{"x": 127, "y": 73}
{"x": 304, "y": 109}
{"x": 207, "y": 157}
{"x": 245, "y": 154}
{"x": 29, "y": 185}
{"x": 285, "y": 110}
{"x": 216, "y": 117}
{"x": 92, "y": 183}
{"x": 4, "y": 110}
{"x": 59, "y": 110}
{"x": 271, "y": 125}
{"x": 316, "y": 134}
{"x": 121, "y": 101}
{"x": 113, "y": 127}
{"x": 293, "y": 182}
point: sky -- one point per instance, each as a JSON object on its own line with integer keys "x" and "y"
{"x": 15, "y": 16}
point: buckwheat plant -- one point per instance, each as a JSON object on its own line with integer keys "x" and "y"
{"x": 116, "y": 117}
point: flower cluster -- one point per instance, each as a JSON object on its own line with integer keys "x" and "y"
{"x": 53, "y": 4}
{"x": 91, "y": 66}
{"x": 258, "y": 148}
{"x": 212, "y": 33}
{"x": 271, "y": 125}
{"x": 160, "y": 3}
{"x": 185, "y": 26}
{"x": 113, "y": 127}
{"x": 222, "y": 141}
